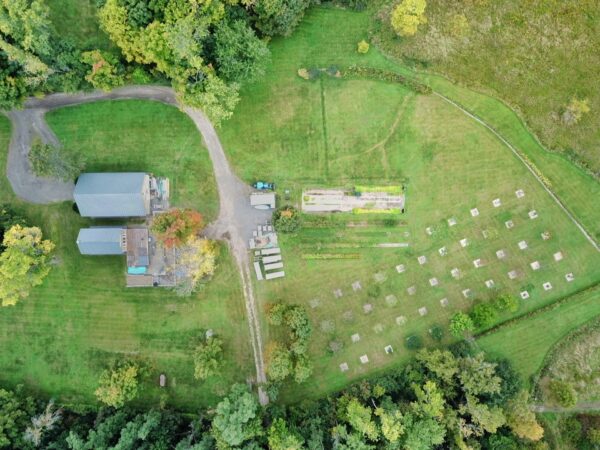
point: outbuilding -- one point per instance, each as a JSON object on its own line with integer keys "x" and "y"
{"x": 262, "y": 200}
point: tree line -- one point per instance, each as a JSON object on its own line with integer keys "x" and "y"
{"x": 441, "y": 399}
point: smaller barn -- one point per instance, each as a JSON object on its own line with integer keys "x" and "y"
{"x": 102, "y": 241}
{"x": 262, "y": 200}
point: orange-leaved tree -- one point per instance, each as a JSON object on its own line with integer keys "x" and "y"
{"x": 174, "y": 227}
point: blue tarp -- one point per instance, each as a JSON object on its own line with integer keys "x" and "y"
{"x": 136, "y": 270}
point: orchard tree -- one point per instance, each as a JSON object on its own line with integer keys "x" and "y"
{"x": 461, "y": 324}
{"x": 24, "y": 263}
{"x": 118, "y": 385}
{"x": 279, "y": 362}
{"x": 176, "y": 226}
{"x": 408, "y": 15}
{"x": 483, "y": 315}
{"x": 208, "y": 358}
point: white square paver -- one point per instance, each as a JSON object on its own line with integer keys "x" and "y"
{"x": 547, "y": 286}
{"x": 512, "y": 274}
{"x": 489, "y": 284}
{"x": 338, "y": 293}
{"x": 356, "y": 286}
{"x": 477, "y": 263}
{"x": 485, "y": 234}
{"x": 509, "y": 224}
{"x": 364, "y": 359}
{"x": 422, "y": 311}
{"x": 314, "y": 303}
{"x": 535, "y": 265}
{"x": 524, "y": 295}
{"x": 558, "y": 256}
{"x": 533, "y": 214}
{"x": 520, "y": 193}
{"x": 355, "y": 337}
{"x": 429, "y": 231}
{"x": 344, "y": 367}
{"x": 569, "y": 277}
{"x": 400, "y": 268}
{"x": 367, "y": 308}
{"x": 422, "y": 259}
{"x": 444, "y": 302}
{"x": 388, "y": 349}
{"x": 412, "y": 290}
{"x": 474, "y": 212}
{"x": 496, "y": 202}
{"x": 466, "y": 293}
{"x": 391, "y": 300}
{"x": 378, "y": 328}
{"x": 546, "y": 235}
{"x": 443, "y": 251}
{"x": 401, "y": 320}
{"x": 455, "y": 273}
{"x": 451, "y": 221}
{"x": 379, "y": 277}
{"x": 433, "y": 282}
{"x": 500, "y": 254}
{"x": 522, "y": 245}
{"x": 464, "y": 242}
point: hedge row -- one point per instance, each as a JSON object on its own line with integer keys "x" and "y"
{"x": 386, "y": 75}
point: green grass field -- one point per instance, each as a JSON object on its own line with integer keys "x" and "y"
{"x": 59, "y": 339}
{"x": 337, "y": 132}
{"x": 77, "y": 20}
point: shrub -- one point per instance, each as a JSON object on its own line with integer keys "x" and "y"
{"x": 575, "y": 111}
{"x": 303, "y": 73}
{"x": 390, "y": 77}
{"x": 570, "y": 429}
{"x": 437, "y": 333}
{"x": 118, "y": 385}
{"x": 413, "y": 342}
{"x": 506, "y": 302}
{"x": 55, "y": 162}
{"x": 286, "y": 219}
{"x": 8, "y": 218}
{"x": 363, "y": 47}
{"x": 207, "y": 358}
{"x": 461, "y": 323}
{"x": 563, "y": 393}
{"x": 593, "y": 435}
{"x": 483, "y": 315}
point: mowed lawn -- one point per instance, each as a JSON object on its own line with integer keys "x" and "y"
{"x": 59, "y": 339}
{"x": 337, "y": 132}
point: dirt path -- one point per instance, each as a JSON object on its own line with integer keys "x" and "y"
{"x": 236, "y": 221}
{"x": 579, "y": 407}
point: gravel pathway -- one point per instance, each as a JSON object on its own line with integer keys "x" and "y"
{"x": 236, "y": 221}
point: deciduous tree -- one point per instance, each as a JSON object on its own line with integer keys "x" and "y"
{"x": 408, "y": 15}
{"x": 55, "y": 161}
{"x": 237, "y": 418}
{"x": 174, "y": 227}
{"x": 207, "y": 358}
{"x": 118, "y": 385}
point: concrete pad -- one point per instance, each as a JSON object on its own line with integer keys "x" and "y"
{"x": 344, "y": 367}
{"x": 489, "y": 284}
{"x": 524, "y": 295}
{"x": 500, "y": 254}
{"x": 422, "y": 259}
{"x": 348, "y": 316}
{"x": 512, "y": 274}
{"x": 314, "y": 303}
{"x": 509, "y": 224}
{"x": 452, "y": 221}
{"x": 455, "y": 273}
{"x": 391, "y": 300}
{"x": 422, "y": 311}
{"x": 569, "y": 277}
{"x": 412, "y": 290}
{"x": 429, "y": 231}
{"x": 547, "y": 286}
{"x": 496, "y": 202}
{"x": 327, "y": 326}
{"x": 444, "y": 302}
{"x": 474, "y": 212}
{"x": 271, "y": 259}
{"x": 478, "y": 263}
{"x": 378, "y": 328}
{"x": 388, "y": 349}
{"x": 356, "y": 286}
{"x": 433, "y": 282}
{"x": 338, "y": 293}
{"x": 400, "y": 268}
{"x": 535, "y": 265}
{"x": 466, "y": 293}
{"x": 464, "y": 242}
{"x": 443, "y": 251}
{"x": 401, "y": 320}
{"x": 546, "y": 235}
{"x": 367, "y": 308}
{"x": 520, "y": 193}
{"x": 523, "y": 245}
{"x": 364, "y": 359}
{"x": 558, "y": 256}
{"x": 355, "y": 337}
{"x": 533, "y": 214}
{"x": 379, "y": 277}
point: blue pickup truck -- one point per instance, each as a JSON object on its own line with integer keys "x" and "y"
{"x": 264, "y": 186}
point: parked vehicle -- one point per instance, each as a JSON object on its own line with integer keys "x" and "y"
{"x": 264, "y": 186}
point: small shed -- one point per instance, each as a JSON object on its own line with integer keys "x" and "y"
{"x": 102, "y": 241}
{"x": 262, "y": 200}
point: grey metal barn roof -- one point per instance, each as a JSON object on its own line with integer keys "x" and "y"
{"x": 101, "y": 241}
{"x": 111, "y": 194}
